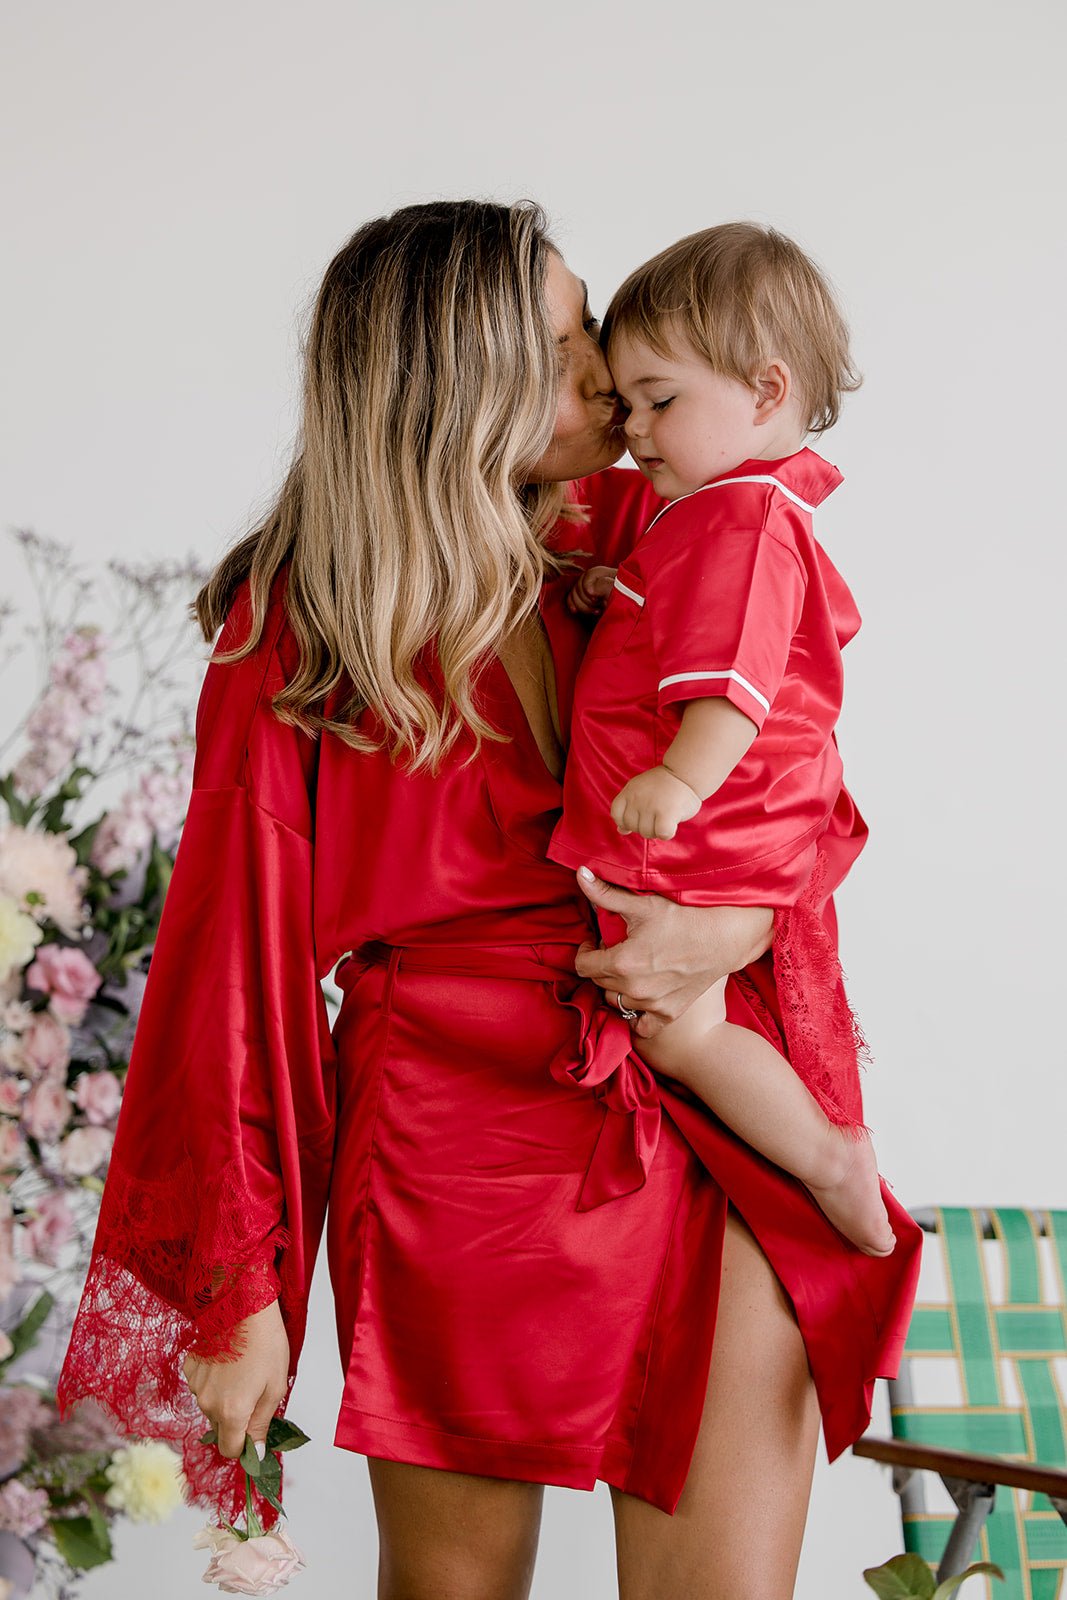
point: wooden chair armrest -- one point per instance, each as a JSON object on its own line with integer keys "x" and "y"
{"x": 960, "y": 1464}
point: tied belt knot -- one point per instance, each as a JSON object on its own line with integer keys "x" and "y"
{"x": 602, "y": 1059}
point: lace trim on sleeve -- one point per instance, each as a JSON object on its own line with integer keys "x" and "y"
{"x": 177, "y": 1264}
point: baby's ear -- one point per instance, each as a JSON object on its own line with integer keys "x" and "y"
{"x": 773, "y": 387}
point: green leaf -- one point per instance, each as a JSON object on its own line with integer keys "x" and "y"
{"x": 24, "y": 1335}
{"x": 903, "y": 1578}
{"x": 79, "y": 1540}
{"x": 82, "y": 843}
{"x": 157, "y": 875}
{"x": 950, "y": 1585}
{"x": 270, "y": 1475}
{"x": 250, "y": 1460}
{"x": 20, "y": 811}
{"x": 99, "y": 1521}
{"x": 273, "y": 1498}
{"x": 210, "y": 1437}
{"x": 285, "y": 1435}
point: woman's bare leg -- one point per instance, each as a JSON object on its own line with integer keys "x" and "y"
{"x": 739, "y": 1525}
{"x": 453, "y": 1536}
{"x": 755, "y": 1091}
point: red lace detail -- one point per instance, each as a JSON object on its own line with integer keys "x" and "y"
{"x": 176, "y": 1265}
{"x": 823, "y": 1037}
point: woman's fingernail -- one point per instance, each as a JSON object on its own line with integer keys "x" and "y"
{"x": 261, "y": 1447}
{"x": 584, "y": 872}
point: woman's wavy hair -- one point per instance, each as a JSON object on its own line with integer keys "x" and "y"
{"x": 430, "y": 384}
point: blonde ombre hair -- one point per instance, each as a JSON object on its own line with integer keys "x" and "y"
{"x": 430, "y": 383}
{"x": 741, "y": 295}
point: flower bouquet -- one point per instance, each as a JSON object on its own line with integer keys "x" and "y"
{"x": 82, "y": 881}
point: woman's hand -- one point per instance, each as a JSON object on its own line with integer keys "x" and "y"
{"x": 671, "y": 953}
{"x": 239, "y": 1397}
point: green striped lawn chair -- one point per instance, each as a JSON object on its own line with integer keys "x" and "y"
{"x": 980, "y": 1401}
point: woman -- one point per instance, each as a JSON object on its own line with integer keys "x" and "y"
{"x": 525, "y": 1252}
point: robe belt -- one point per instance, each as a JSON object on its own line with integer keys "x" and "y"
{"x": 602, "y": 1062}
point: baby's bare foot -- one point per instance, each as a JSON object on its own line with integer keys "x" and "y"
{"x": 852, "y": 1198}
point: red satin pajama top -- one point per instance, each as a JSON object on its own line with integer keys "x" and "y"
{"x": 727, "y": 593}
{"x": 524, "y": 1228}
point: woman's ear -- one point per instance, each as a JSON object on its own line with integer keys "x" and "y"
{"x": 773, "y": 387}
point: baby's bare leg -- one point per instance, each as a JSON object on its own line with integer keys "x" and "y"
{"x": 755, "y": 1091}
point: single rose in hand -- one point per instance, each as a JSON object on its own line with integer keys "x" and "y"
{"x": 261, "y": 1565}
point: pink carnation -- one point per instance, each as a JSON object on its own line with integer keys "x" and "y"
{"x": 99, "y": 1095}
{"x": 22, "y": 1510}
{"x": 84, "y": 1150}
{"x": 50, "y": 1229}
{"x": 46, "y": 1110}
{"x": 68, "y": 976}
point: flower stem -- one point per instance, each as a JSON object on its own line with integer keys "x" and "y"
{"x": 252, "y": 1521}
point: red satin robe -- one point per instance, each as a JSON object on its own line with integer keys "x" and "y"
{"x": 524, "y": 1249}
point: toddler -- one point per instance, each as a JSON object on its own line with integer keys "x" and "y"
{"x": 703, "y": 761}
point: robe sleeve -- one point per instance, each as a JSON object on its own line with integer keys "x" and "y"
{"x": 620, "y": 504}
{"x": 215, "y": 1194}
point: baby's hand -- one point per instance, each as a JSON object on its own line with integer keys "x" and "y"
{"x": 590, "y": 593}
{"x": 653, "y": 804}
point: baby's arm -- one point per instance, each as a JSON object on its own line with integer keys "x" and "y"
{"x": 713, "y": 737}
{"x": 590, "y": 593}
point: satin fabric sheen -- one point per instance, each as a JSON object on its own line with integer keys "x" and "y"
{"x": 524, "y": 1229}
{"x": 729, "y": 579}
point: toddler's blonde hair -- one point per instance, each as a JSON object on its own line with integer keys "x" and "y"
{"x": 742, "y": 295}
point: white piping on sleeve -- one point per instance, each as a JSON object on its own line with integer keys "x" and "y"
{"x": 690, "y": 677}
{"x": 631, "y": 594}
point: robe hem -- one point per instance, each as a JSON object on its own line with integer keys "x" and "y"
{"x": 564, "y": 1466}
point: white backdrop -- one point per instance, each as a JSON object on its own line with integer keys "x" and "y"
{"x": 176, "y": 179}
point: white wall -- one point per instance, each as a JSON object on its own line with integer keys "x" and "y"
{"x": 178, "y": 177}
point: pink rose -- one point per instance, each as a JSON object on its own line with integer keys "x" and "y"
{"x": 46, "y": 1110}
{"x": 51, "y": 1228}
{"x": 66, "y": 974}
{"x": 84, "y": 1150}
{"x": 262, "y": 1565}
{"x": 99, "y": 1095}
{"x": 10, "y": 1095}
{"x": 43, "y": 1048}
